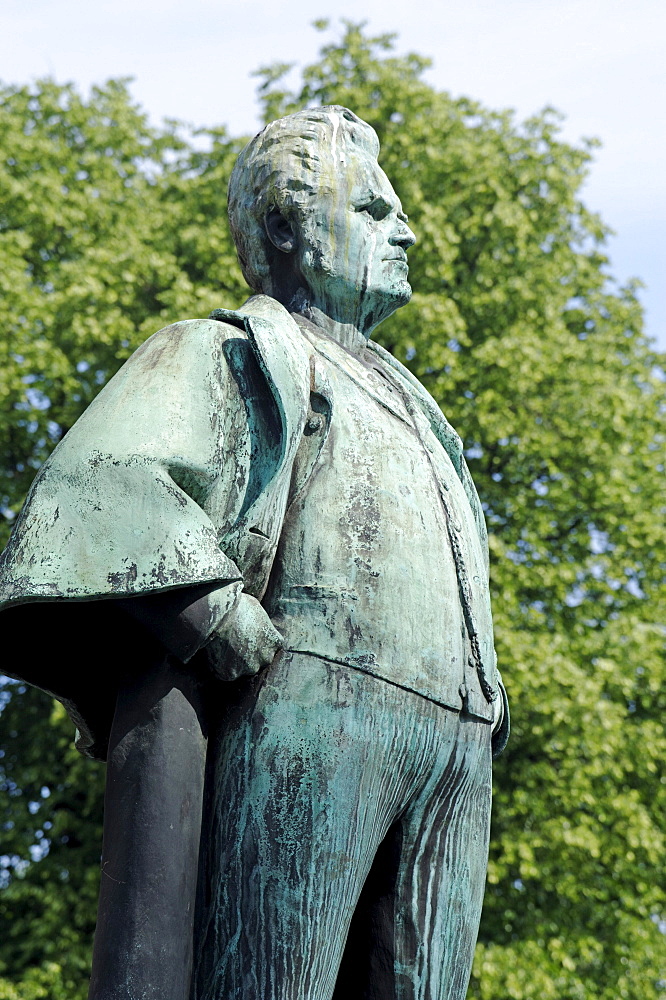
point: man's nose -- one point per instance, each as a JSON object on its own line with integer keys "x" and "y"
{"x": 403, "y": 236}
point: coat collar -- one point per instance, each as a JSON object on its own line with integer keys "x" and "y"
{"x": 283, "y": 357}
{"x": 282, "y": 350}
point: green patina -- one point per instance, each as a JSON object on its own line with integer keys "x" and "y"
{"x": 278, "y": 458}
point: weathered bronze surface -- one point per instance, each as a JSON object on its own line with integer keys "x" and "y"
{"x": 268, "y": 526}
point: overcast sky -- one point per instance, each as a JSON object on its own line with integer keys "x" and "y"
{"x": 601, "y": 62}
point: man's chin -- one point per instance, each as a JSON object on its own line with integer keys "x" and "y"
{"x": 385, "y": 304}
{"x": 406, "y": 293}
{"x": 398, "y": 295}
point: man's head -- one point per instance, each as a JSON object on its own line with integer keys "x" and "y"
{"x": 315, "y": 219}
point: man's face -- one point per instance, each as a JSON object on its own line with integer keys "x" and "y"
{"x": 353, "y": 241}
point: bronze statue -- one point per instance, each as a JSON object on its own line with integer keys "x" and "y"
{"x": 268, "y": 526}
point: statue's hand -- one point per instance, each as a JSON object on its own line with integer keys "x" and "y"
{"x": 245, "y": 641}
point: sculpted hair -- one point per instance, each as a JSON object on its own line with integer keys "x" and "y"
{"x": 286, "y": 166}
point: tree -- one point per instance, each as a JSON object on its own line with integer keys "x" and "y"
{"x": 109, "y": 229}
{"x": 538, "y": 359}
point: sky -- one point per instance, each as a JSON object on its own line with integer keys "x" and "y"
{"x": 600, "y": 62}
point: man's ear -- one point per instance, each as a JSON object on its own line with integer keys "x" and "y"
{"x": 279, "y": 231}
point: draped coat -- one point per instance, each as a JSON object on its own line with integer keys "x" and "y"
{"x": 178, "y": 474}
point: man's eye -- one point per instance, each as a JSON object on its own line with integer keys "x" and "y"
{"x": 377, "y": 209}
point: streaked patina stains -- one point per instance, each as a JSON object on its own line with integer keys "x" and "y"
{"x": 267, "y": 498}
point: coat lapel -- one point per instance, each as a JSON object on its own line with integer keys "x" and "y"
{"x": 443, "y": 430}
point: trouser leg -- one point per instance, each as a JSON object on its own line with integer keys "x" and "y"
{"x": 319, "y": 772}
{"x": 443, "y": 874}
{"x": 415, "y": 927}
{"x": 152, "y": 827}
{"x": 306, "y": 785}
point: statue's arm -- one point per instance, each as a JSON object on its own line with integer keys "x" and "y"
{"x": 220, "y": 618}
{"x": 124, "y": 504}
{"x": 134, "y": 501}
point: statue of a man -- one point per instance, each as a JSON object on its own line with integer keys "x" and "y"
{"x": 268, "y": 526}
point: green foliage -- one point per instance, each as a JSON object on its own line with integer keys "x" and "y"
{"x": 110, "y": 228}
{"x": 51, "y": 844}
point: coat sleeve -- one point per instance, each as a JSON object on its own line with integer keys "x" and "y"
{"x": 134, "y": 505}
{"x": 139, "y": 493}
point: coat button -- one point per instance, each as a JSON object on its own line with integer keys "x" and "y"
{"x": 314, "y": 423}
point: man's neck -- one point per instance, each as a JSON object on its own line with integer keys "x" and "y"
{"x": 347, "y": 335}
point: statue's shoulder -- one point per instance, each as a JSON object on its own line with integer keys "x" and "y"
{"x": 262, "y": 321}
{"x": 187, "y": 336}
{"x": 175, "y": 360}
